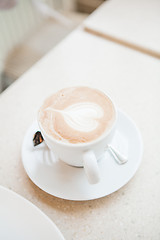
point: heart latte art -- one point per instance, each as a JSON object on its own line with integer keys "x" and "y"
{"x": 81, "y": 116}
{"x": 76, "y": 115}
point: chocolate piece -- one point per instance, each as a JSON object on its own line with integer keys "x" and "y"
{"x": 38, "y": 138}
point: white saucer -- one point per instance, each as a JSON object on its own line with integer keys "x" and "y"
{"x": 64, "y": 181}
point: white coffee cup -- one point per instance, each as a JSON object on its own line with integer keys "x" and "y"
{"x": 82, "y": 154}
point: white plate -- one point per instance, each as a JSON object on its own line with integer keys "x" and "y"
{"x": 21, "y": 220}
{"x": 64, "y": 181}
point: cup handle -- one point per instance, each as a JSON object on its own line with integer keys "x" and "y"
{"x": 91, "y": 167}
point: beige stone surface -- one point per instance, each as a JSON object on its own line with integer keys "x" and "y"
{"x": 133, "y": 23}
{"x": 132, "y": 79}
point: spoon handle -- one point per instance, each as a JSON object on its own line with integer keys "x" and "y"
{"x": 118, "y": 157}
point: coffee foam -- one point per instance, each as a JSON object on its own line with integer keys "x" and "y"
{"x": 81, "y": 116}
{"x": 77, "y": 115}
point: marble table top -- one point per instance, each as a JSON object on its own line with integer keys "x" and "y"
{"x": 132, "y": 79}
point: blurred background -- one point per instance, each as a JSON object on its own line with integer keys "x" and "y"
{"x": 30, "y": 28}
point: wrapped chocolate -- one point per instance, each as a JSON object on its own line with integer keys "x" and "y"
{"x": 38, "y": 138}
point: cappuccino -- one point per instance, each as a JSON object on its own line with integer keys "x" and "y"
{"x": 77, "y": 115}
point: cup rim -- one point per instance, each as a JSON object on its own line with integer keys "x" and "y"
{"x": 87, "y": 144}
